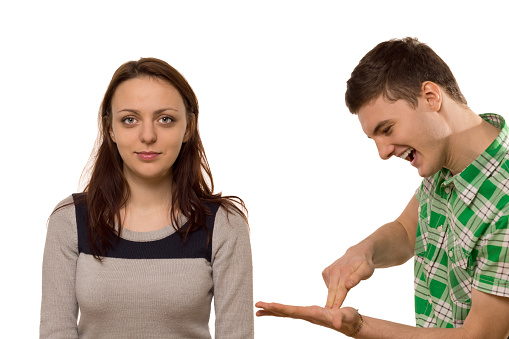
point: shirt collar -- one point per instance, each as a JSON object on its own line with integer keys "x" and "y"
{"x": 468, "y": 181}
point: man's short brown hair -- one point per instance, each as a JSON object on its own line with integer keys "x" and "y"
{"x": 396, "y": 69}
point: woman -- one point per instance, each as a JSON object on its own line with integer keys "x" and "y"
{"x": 142, "y": 251}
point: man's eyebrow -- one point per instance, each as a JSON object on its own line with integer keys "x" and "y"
{"x": 380, "y": 126}
{"x": 134, "y": 111}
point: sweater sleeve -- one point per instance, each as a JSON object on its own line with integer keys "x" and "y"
{"x": 59, "y": 307}
{"x": 232, "y": 272}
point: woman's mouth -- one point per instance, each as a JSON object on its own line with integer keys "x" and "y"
{"x": 147, "y": 155}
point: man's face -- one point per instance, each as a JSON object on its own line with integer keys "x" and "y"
{"x": 417, "y": 135}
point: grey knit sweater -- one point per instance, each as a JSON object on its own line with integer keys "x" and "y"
{"x": 144, "y": 290}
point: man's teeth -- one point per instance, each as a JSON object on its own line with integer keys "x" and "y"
{"x": 406, "y": 154}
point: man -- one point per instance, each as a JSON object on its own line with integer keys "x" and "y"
{"x": 455, "y": 226}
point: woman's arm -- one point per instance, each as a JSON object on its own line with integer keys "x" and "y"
{"x": 59, "y": 307}
{"x": 232, "y": 272}
{"x": 487, "y": 320}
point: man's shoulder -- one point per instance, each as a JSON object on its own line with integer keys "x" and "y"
{"x": 498, "y": 185}
{"x": 498, "y": 181}
{"x": 501, "y": 171}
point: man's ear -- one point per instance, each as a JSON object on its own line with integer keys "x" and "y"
{"x": 432, "y": 93}
{"x": 191, "y": 126}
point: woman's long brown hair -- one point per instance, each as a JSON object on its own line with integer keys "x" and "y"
{"x": 108, "y": 191}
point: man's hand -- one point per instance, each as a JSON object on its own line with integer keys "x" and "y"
{"x": 390, "y": 245}
{"x": 346, "y": 272}
{"x": 345, "y": 320}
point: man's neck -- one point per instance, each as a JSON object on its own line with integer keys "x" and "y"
{"x": 470, "y": 137}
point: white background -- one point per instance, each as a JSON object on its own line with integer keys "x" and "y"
{"x": 270, "y": 78}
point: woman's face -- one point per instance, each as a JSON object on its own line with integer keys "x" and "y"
{"x": 148, "y": 126}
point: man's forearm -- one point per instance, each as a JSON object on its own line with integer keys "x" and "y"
{"x": 389, "y": 245}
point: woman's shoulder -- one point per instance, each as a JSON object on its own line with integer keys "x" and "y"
{"x": 64, "y": 212}
{"x": 231, "y": 234}
{"x": 232, "y": 209}
{"x": 64, "y": 205}
{"x": 61, "y": 227}
{"x": 70, "y": 201}
{"x": 230, "y": 219}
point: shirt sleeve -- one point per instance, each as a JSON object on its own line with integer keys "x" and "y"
{"x": 492, "y": 271}
{"x": 59, "y": 307}
{"x": 232, "y": 273}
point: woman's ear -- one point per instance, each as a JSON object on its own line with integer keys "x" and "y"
{"x": 432, "y": 93}
{"x": 190, "y": 128}
{"x": 112, "y": 136}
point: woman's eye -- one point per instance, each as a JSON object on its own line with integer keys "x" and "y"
{"x": 129, "y": 120}
{"x": 166, "y": 120}
{"x": 387, "y": 130}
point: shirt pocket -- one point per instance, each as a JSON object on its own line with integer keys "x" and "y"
{"x": 459, "y": 275}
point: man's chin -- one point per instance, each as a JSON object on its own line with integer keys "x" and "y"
{"x": 426, "y": 172}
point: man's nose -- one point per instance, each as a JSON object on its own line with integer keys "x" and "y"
{"x": 385, "y": 150}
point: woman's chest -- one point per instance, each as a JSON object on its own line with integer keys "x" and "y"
{"x": 163, "y": 288}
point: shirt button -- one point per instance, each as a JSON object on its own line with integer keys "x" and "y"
{"x": 450, "y": 254}
{"x": 439, "y": 229}
{"x": 430, "y": 300}
{"x": 447, "y": 190}
{"x": 426, "y": 267}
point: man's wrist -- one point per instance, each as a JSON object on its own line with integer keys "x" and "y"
{"x": 364, "y": 248}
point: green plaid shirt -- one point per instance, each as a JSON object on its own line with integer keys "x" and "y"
{"x": 462, "y": 236}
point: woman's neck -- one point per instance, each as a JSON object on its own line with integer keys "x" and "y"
{"x": 149, "y": 204}
{"x": 146, "y": 193}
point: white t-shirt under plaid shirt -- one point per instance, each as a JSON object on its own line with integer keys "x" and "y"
{"x": 462, "y": 239}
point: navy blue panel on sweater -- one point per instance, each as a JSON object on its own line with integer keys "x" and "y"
{"x": 171, "y": 247}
